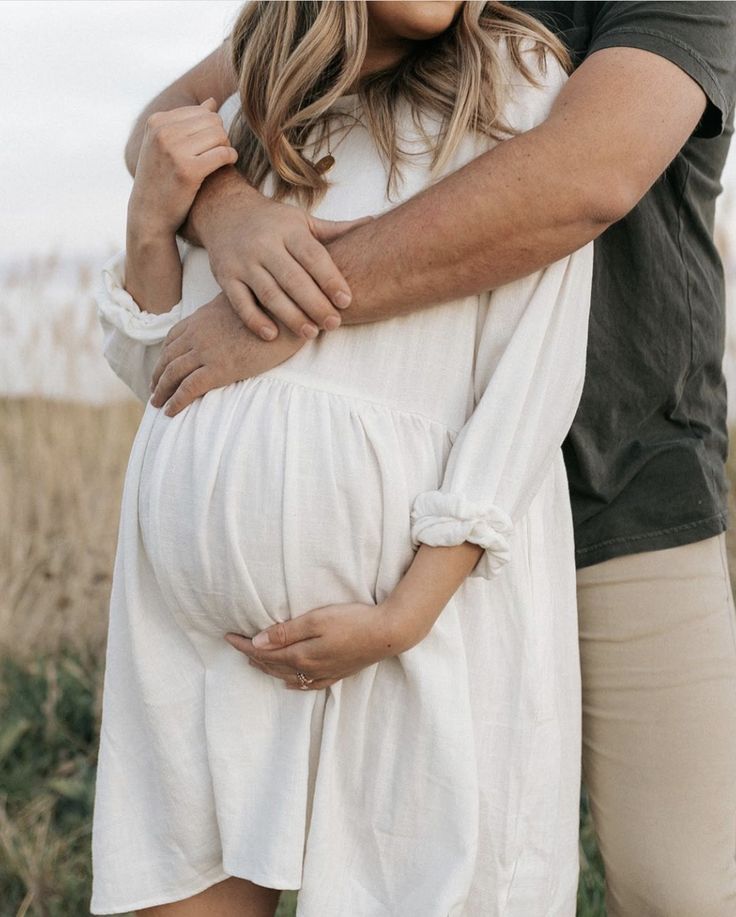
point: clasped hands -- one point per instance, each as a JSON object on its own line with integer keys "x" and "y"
{"x": 330, "y": 642}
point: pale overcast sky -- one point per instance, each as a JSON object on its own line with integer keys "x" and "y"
{"x": 74, "y": 75}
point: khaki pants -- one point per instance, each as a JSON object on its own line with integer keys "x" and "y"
{"x": 658, "y": 655}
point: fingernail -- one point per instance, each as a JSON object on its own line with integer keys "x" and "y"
{"x": 268, "y": 334}
{"x": 169, "y": 411}
{"x": 332, "y": 322}
{"x": 341, "y": 299}
{"x": 261, "y": 640}
{"x": 309, "y": 331}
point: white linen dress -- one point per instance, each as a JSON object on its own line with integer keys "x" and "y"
{"x": 442, "y": 781}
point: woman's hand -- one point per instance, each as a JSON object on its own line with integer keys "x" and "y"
{"x": 180, "y": 149}
{"x": 334, "y": 641}
{"x": 330, "y": 642}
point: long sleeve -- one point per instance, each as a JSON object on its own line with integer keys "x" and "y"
{"x": 132, "y": 337}
{"x": 528, "y": 378}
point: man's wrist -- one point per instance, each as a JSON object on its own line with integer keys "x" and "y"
{"x": 223, "y": 183}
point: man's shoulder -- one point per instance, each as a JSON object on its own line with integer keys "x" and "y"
{"x": 697, "y": 35}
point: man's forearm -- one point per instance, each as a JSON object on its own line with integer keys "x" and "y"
{"x": 614, "y": 128}
{"x": 503, "y": 216}
{"x": 223, "y": 184}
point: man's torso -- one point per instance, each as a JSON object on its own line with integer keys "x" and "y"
{"x": 646, "y": 453}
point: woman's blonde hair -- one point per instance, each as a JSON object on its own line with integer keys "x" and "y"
{"x": 294, "y": 58}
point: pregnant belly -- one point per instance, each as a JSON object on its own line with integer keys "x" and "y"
{"x": 266, "y": 498}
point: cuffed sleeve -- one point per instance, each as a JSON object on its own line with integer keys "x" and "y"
{"x": 528, "y": 378}
{"x": 528, "y": 372}
{"x": 132, "y": 337}
{"x": 445, "y": 519}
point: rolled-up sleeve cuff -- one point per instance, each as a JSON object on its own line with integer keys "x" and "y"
{"x": 446, "y": 519}
{"x": 117, "y": 307}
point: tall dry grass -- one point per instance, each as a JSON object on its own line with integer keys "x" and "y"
{"x": 61, "y": 472}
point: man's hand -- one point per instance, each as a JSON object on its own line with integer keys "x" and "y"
{"x": 212, "y": 348}
{"x": 269, "y": 253}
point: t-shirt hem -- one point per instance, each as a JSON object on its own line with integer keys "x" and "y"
{"x": 685, "y": 58}
{"x": 659, "y": 540}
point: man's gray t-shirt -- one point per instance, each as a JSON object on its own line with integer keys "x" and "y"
{"x": 646, "y": 453}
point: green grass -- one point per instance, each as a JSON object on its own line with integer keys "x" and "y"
{"x": 49, "y": 715}
{"x": 47, "y": 758}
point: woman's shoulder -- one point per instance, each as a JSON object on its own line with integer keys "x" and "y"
{"x": 529, "y": 99}
{"x": 229, "y": 108}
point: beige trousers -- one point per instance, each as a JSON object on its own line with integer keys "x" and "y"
{"x": 658, "y": 655}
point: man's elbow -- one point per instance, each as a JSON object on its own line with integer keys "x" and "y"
{"x": 130, "y": 159}
{"x": 609, "y": 198}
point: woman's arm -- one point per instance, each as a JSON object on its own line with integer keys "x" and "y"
{"x": 152, "y": 268}
{"x": 180, "y": 148}
{"x": 140, "y": 297}
{"x": 435, "y": 575}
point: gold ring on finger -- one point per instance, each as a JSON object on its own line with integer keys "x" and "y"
{"x": 304, "y": 682}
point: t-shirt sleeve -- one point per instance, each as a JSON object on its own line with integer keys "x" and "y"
{"x": 699, "y": 37}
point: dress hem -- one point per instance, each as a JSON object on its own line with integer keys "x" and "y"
{"x": 213, "y": 876}
{"x": 216, "y": 874}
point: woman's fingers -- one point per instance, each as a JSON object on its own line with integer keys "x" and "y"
{"x": 174, "y": 373}
{"x": 205, "y": 138}
{"x": 290, "y": 678}
{"x": 213, "y": 160}
{"x": 180, "y": 122}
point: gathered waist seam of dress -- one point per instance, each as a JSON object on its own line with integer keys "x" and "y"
{"x": 281, "y": 375}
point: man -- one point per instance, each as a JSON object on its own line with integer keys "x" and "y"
{"x": 631, "y": 154}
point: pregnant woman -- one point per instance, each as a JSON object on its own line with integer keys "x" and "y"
{"x": 406, "y": 475}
